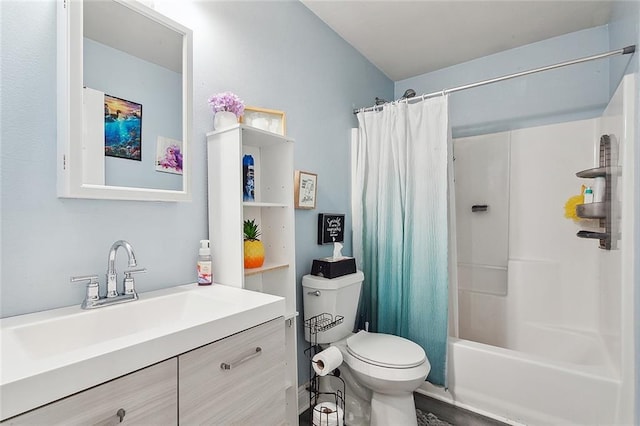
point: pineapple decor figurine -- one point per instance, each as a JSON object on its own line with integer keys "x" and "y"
{"x": 253, "y": 247}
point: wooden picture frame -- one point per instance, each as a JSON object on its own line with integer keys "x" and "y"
{"x": 305, "y": 190}
{"x": 270, "y": 120}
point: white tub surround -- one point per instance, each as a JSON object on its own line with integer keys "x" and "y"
{"x": 49, "y": 355}
{"x": 565, "y": 325}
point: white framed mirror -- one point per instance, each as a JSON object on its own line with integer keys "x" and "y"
{"x": 124, "y": 102}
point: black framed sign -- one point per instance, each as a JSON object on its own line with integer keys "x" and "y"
{"x": 330, "y": 228}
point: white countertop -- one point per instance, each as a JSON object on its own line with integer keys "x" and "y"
{"x": 40, "y": 364}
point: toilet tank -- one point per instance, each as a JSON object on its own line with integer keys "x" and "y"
{"x": 337, "y": 296}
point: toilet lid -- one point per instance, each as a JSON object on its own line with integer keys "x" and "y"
{"x": 385, "y": 350}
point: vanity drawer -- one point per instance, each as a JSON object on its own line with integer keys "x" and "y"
{"x": 148, "y": 396}
{"x": 250, "y": 391}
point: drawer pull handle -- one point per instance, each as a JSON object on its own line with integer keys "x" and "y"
{"x": 121, "y": 414}
{"x": 229, "y": 366}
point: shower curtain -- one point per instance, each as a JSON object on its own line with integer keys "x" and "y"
{"x": 400, "y": 223}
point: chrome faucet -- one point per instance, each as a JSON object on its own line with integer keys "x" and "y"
{"x": 112, "y": 275}
{"x": 93, "y": 299}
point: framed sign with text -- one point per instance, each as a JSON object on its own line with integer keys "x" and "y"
{"x": 330, "y": 228}
{"x": 305, "y": 187}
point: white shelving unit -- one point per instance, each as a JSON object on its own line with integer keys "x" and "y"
{"x": 274, "y": 212}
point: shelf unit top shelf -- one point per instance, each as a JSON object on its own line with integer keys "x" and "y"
{"x": 253, "y": 136}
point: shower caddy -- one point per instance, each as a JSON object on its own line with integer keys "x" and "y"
{"x": 319, "y": 324}
{"x": 602, "y": 210}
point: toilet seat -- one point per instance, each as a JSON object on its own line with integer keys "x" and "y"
{"x": 385, "y": 350}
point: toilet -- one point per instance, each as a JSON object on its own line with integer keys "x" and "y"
{"x": 381, "y": 369}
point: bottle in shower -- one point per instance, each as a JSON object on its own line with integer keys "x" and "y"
{"x": 588, "y": 195}
{"x": 248, "y": 177}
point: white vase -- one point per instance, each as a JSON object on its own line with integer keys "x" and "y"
{"x": 224, "y": 119}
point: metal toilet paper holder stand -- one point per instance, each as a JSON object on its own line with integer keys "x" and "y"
{"x": 319, "y": 324}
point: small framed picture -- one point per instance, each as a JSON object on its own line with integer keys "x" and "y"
{"x": 270, "y": 120}
{"x": 168, "y": 155}
{"x": 122, "y": 128}
{"x": 305, "y": 190}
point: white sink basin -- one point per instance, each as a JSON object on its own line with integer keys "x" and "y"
{"x": 48, "y": 355}
{"x": 79, "y": 330}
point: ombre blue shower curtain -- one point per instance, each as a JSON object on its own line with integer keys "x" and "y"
{"x": 400, "y": 223}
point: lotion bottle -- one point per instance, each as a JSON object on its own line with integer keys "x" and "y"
{"x": 205, "y": 270}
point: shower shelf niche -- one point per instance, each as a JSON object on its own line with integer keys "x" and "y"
{"x": 601, "y": 210}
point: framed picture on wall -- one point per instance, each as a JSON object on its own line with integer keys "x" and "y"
{"x": 169, "y": 155}
{"x": 270, "y": 120}
{"x": 305, "y": 190}
{"x": 122, "y": 128}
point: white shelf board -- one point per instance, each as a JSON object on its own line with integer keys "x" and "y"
{"x": 254, "y": 204}
{"x": 253, "y": 136}
{"x": 268, "y": 266}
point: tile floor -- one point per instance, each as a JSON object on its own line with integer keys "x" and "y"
{"x": 454, "y": 415}
{"x": 448, "y": 413}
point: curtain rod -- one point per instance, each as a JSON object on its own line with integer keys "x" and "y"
{"x": 624, "y": 51}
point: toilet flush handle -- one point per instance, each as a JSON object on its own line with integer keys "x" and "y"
{"x": 314, "y": 293}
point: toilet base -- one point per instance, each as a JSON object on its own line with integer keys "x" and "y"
{"x": 398, "y": 409}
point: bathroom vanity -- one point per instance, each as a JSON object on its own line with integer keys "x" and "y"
{"x": 218, "y": 355}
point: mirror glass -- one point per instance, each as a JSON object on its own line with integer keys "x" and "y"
{"x": 135, "y": 93}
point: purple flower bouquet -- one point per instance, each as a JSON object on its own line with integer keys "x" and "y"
{"x": 227, "y": 101}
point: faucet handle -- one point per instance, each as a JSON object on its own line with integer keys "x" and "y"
{"x": 129, "y": 284}
{"x": 93, "y": 287}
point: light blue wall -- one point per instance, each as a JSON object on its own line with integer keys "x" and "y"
{"x": 272, "y": 54}
{"x": 623, "y": 31}
{"x": 158, "y": 89}
{"x": 571, "y": 93}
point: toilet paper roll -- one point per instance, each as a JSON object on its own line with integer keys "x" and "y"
{"x": 327, "y": 414}
{"x": 326, "y": 361}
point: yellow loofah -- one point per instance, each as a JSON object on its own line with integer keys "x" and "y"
{"x": 572, "y": 202}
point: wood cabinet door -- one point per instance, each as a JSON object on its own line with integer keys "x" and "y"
{"x": 145, "y": 397}
{"x": 249, "y": 391}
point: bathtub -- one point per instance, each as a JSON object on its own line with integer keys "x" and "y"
{"x": 572, "y": 348}
{"x": 532, "y": 389}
